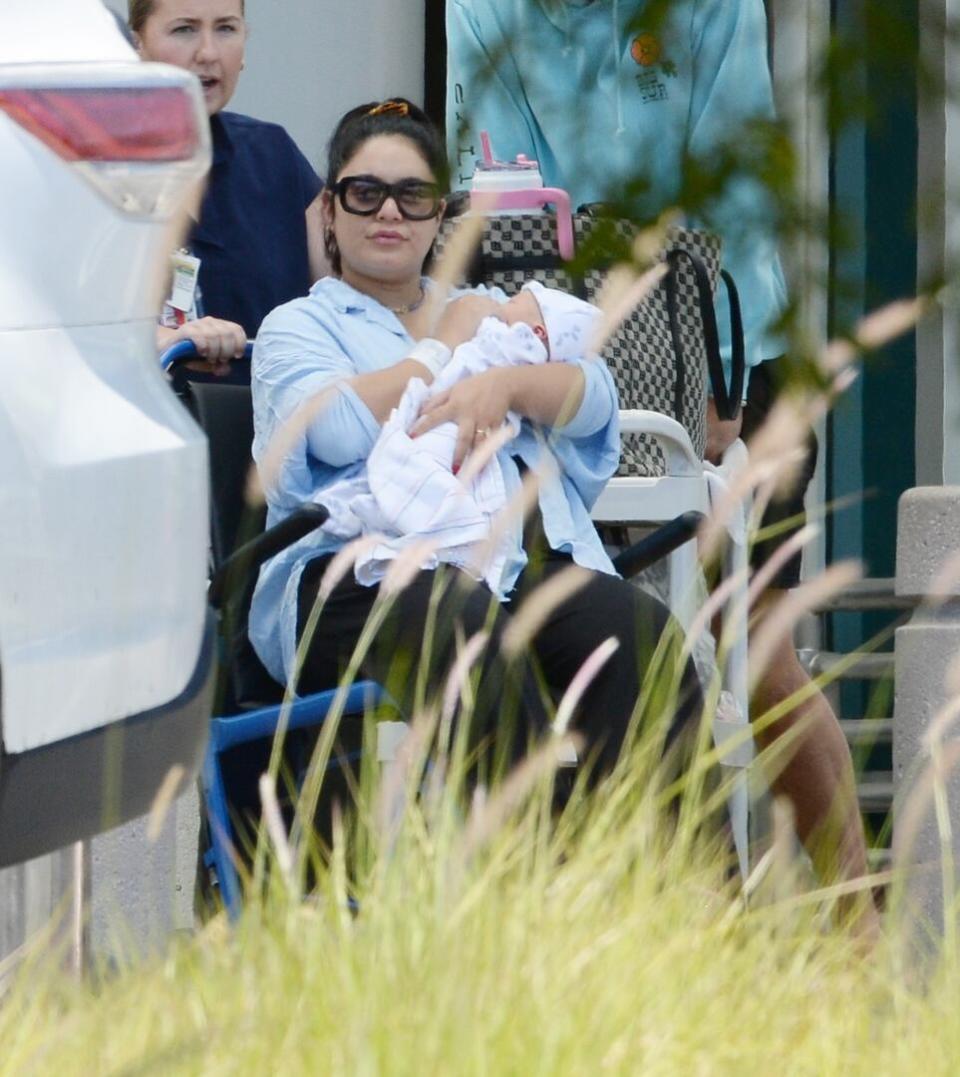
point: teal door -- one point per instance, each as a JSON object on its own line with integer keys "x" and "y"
{"x": 870, "y": 450}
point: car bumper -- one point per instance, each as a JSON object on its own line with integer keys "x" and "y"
{"x": 66, "y": 791}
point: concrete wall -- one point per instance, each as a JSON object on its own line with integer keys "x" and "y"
{"x": 31, "y": 894}
{"x": 938, "y": 237}
{"x": 801, "y": 33}
{"x": 140, "y": 889}
{"x": 926, "y": 742}
{"x": 308, "y": 61}
{"x": 951, "y": 342}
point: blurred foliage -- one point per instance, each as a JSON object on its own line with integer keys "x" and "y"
{"x": 499, "y": 939}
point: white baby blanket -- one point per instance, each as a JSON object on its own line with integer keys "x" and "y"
{"x": 409, "y": 494}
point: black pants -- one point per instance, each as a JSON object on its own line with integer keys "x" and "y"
{"x": 438, "y": 607}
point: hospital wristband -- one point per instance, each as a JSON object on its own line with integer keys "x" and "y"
{"x": 433, "y": 354}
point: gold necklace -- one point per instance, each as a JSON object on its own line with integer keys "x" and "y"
{"x": 409, "y": 308}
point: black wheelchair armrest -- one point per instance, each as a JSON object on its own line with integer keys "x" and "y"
{"x": 251, "y": 555}
{"x": 650, "y": 549}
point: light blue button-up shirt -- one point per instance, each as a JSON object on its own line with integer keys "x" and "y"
{"x": 319, "y": 342}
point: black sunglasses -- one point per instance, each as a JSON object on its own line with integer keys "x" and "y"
{"x": 417, "y": 200}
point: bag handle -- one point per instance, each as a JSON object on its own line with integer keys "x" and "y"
{"x": 534, "y": 198}
{"x": 727, "y": 401}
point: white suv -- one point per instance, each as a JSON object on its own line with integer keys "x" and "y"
{"x": 106, "y": 646}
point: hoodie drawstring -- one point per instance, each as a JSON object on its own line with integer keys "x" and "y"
{"x": 562, "y": 8}
{"x": 615, "y": 15}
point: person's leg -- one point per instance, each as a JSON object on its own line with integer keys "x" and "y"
{"x": 610, "y": 607}
{"x": 417, "y": 645}
{"x": 814, "y": 772}
{"x": 414, "y": 648}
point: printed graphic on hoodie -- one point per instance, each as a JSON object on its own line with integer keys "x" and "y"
{"x": 647, "y": 52}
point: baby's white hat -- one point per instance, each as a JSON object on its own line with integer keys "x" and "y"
{"x": 570, "y": 322}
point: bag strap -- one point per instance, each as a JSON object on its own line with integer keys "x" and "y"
{"x": 680, "y": 360}
{"x": 738, "y": 359}
{"x": 727, "y": 401}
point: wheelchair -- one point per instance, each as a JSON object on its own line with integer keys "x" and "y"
{"x": 250, "y": 704}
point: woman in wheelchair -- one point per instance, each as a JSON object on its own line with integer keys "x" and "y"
{"x": 357, "y": 340}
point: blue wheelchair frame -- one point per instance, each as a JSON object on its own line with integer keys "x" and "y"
{"x": 228, "y": 731}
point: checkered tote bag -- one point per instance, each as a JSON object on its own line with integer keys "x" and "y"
{"x": 663, "y": 354}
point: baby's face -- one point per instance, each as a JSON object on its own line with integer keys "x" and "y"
{"x": 523, "y": 307}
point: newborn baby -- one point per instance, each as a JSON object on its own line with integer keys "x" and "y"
{"x": 411, "y": 493}
{"x": 537, "y": 325}
{"x": 561, "y": 322}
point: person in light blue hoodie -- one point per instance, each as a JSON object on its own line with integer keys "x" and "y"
{"x": 596, "y": 99}
{"x": 614, "y": 109}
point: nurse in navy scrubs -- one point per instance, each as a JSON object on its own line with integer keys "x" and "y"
{"x": 259, "y": 238}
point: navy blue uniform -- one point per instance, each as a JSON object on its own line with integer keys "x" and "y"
{"x": 251, "y": 236}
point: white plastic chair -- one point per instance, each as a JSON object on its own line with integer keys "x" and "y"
{"x": 690, "y": 484}
{"x": 663, "y": 471}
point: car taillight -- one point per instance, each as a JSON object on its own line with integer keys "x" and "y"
{"x": 140, "y": 124}
{"x": 137, "y": 132}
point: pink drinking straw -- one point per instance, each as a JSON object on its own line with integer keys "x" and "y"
{"x": 485, "y": 146}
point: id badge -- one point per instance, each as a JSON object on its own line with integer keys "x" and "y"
{"x": 183, "y": 289}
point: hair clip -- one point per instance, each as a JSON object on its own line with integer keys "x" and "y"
{"x": 400, "y": 107}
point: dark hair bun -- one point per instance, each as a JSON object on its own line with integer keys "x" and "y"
{"x": 394, "y": 116}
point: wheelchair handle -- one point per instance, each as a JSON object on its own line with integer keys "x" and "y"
{"x": 242, "y": 562}
{"x": 186, "y": 349}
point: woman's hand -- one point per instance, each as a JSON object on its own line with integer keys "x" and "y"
{"x": 380, "y": 390}
{"x": 462, "y": 317}
{"x": 478, "y": 405}
{"x": 217, "y": 343}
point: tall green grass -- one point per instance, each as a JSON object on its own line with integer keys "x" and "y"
{"x": 451, "y": 932}
{"x": 453, "y": 929}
